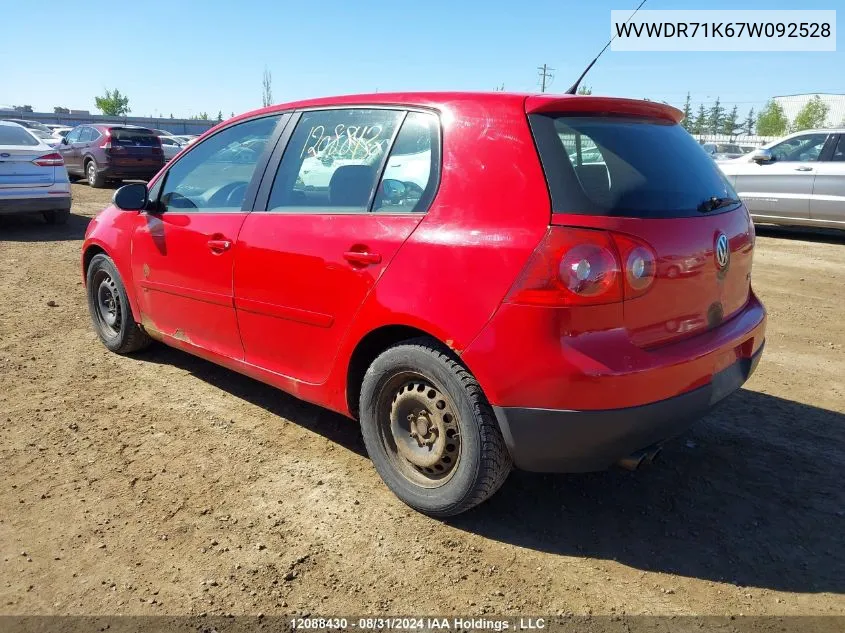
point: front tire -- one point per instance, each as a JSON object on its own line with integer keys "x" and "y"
{"x": 110, "y": 310}
{"x": 430, "y": 432}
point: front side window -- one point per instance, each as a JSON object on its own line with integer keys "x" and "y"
{"x": 214, "y": 174}
{"x": 333, "y": 160}
{"x": 800, "y": 149}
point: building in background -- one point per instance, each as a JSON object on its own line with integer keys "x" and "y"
{"x": 792, "y": 105}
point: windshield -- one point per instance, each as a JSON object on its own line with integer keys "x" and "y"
{"x": 627, "y": 166}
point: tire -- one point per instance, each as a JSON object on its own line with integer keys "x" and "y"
{"x": 420, "y": 404}
{"x": 58, "y": 216}
{"x": 107, "y": 298}
{"x": 95, "y": 178}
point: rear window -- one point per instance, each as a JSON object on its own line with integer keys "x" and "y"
{"x": 625, "y": 166}
{"x": 134, "y": 138}
{"x": 14, "y": 135}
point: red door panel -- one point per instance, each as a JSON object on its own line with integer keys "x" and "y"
{"x": 300, "y": 279}
{"x": 182, "y": 268}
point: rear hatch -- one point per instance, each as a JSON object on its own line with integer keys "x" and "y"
{"x": 135, "y": 147}
{"x": 18, "y": 150}
{"x": 627, "y": 167}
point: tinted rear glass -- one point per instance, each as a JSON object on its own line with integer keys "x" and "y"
{"x": 625, "y": 166}
{"x": 14, "y": 135}
{"x": 124, "y": 136}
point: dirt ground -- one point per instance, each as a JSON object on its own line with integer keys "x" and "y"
{"x": 162, "y": 484}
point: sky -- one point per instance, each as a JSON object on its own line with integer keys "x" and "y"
{"x": 183, "y": 58}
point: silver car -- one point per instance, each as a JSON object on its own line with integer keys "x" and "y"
{"x": 33, "y": 178}
{"x": 799, "y": 179}
{"x": 170, "y": 145}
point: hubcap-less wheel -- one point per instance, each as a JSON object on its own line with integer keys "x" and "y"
{"x": 109, "y": 311}
{"x": 421, "y": 433}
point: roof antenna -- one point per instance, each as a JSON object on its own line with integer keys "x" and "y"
{"x": 573, "y": 89}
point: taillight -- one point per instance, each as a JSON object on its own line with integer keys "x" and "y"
{"x": 576, "y": 266}
{"x": 50, "y": 160}
{"x": 640, "y": 264}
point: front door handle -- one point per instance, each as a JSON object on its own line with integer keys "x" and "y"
{"x": 362, "y": 257}
{"x": 219, "y": 246}
{"x": 803, "y": 169}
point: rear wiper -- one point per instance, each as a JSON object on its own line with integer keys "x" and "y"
{"x": 711, "y": 204}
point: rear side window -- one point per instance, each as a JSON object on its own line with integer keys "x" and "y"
{"x": 14, "y": 135}
{"x": 333, "y": 160}
{"x": 133, "y": 138}
{"x": 625, "y": 166}
{"x": 88, "y": 134}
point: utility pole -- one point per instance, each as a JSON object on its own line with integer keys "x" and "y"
{"x": 546, "y": 77}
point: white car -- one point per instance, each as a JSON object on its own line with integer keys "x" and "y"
{"x": 171, "y": 146}
{"x": 33, "y": 178}
{"x": 799, "y": 179}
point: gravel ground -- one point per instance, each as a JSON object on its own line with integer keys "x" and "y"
{"x": 163, "y": 484}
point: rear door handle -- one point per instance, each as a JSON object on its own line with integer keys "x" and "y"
{"x": 803, "y": 169}
{"x": 365, "y": 258}
{"x": 219, "y": 246}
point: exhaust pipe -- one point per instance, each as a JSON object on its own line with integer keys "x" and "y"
{"x": 637, "y": 459}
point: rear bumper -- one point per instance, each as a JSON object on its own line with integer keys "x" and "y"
{"x": 549, "y": 440}
{"x": 130, "y": 173}
{"x": 9, "y": 206}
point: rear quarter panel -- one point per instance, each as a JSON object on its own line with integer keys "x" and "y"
{"x": 490, "y": 212}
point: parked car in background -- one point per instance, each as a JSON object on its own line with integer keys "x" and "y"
{"x": 723, "y": 151}
{"x": 61, "y": 132}
{"x": 102, "y": 153}
{"x": 171, "y": 146}
{"x": 462, "y": 284}
{"x": 31, "y": 125}
{"x": 186, "y": 139}
{"x": 33, "y": 178}
{"x": 797, "y": 180}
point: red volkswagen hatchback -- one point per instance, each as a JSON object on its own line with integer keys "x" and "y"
{"x": 554, "y": 282}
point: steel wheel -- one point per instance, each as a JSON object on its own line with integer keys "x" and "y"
{"x": 109, "y": 311}
{"x": 419, "y": 429}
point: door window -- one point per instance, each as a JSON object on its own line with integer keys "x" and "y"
{"x": 800, "y": 149}
{"x": 410, "y": 176}
{"x": 214, "y": 174}
{"x": 839, "y": 152}
{"x": 73, "y": 135}
{"x": 333, "y": 161}
{"x": 87, "y": 135}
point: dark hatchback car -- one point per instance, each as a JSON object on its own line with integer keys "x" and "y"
{"x": 111, "y": 152}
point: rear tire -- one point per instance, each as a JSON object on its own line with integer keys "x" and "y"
{"x": 95, "y": 178}
{"x": 110, "y": 310}
{"x": 58, "y": 216}
{"x": 429, "y": 430}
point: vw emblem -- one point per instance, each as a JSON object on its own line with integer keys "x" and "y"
{"x": 723, "y": 252}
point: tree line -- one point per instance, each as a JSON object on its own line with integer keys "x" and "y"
{"x": 770, "y": 121}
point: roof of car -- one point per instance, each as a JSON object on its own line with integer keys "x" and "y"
{"x": 10, "y": 122}
{"x": 530, "y": 102}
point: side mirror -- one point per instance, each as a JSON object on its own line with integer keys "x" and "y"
{"x": 131, "y": 197}
{"x": 394, "y": 190}
{"x": 762, "y": 156}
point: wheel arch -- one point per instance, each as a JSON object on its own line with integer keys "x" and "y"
{"x": 374, "y": 343}
{"x": 91, "y": 250}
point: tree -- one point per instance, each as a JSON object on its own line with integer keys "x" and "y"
{"x": 585, "y": 90}
{"x": 812, "y": 115}
{"x": 748, "y": 126}
{"x": 771, "y": 120}
{"x": 715, "y": 118}
{"x": 113, "y": 103}
{"x": 729, "y": 125}
{"x": 267, "y": 85}
{"x": 23, "y": 108}
{"x": 698, "y": 127}
{"x": 687, "y": 122}
{"x": 60, "y": 110}
{"x": 219, "y": 116}
{"x": 171, "y": 115}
